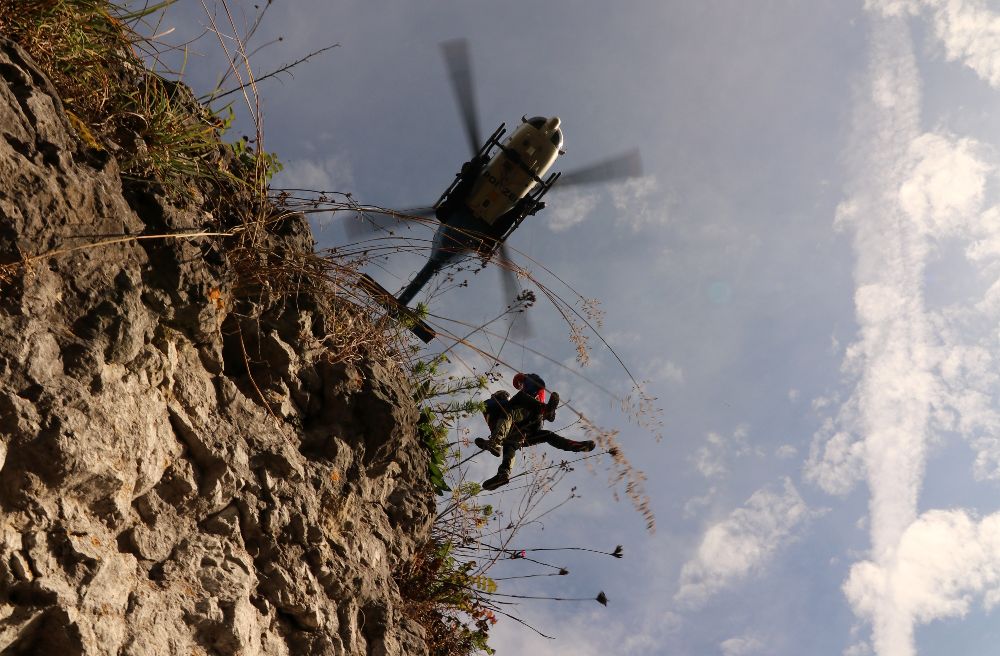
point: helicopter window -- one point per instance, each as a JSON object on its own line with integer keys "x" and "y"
{"x": 537, "y": 122}
{"x": 557, "y": 139}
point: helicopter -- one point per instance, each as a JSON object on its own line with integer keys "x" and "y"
{"x": 494, "y": 192}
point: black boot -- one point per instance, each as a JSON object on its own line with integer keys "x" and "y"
{"x": 587, "y": 445}
{"x": 501, "y": 479}
{"x": 487, "y": 445}
{"x": 550, "y": 408}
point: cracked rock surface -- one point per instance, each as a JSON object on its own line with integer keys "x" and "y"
{"x": 151, "y": 500}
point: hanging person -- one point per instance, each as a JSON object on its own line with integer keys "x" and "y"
{"x": 517, "y": 422}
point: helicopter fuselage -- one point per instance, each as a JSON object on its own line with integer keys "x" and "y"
{"x": 494, "y": 192}
{"x": 491, "y": 196}
{"x": 517, "y": 168}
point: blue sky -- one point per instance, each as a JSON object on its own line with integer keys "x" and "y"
{"x": 807, "y": 276}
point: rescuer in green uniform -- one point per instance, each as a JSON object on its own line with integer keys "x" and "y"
{"x": 517, "y": 422}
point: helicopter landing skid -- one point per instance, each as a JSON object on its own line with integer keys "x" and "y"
{"x": 404, "y": 314}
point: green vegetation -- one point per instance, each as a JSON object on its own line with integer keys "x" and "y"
{"x": 447, "y": 598}
{"x": 444, "y": 401}
{"x": 433, "y": 437}
{"x": 153, "y": 126}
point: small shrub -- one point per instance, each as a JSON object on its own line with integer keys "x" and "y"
{"x": 433, "y": 436}
{"x": 444, "y": 596}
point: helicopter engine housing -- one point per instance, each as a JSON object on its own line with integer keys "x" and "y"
{"x": 518, "y": 166}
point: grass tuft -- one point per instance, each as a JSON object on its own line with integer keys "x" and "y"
{"x": 90, "y": 49}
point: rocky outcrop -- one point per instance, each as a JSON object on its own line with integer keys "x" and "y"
{"x": 180, "y": 473}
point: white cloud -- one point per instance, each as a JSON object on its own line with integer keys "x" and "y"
{"x": 967, "y": 366}
{"x": 639, "y": 203}
{"x": 743, "y": 543}
{"x": 881, "y": 429}
{"x": 942, "y": 195}
{"x": 859, "y": 649}
{"x": 508, "y": 637}
{"x": 985, "y": 245}
{"x": 917, "y": 371}
{"x": 836, "y": 459}
{"x": 968, "y": 29}
{"x": 658, "y": 369}
{"x": 970, "y": 33}
{"x": 695, "y": 504}
{"x": 742, "y": 646}
{"x": 331, "y": 173}
{"x": 711, "y": 457}
{"x": 572, "y": 206}
{"x": 943, "y": 562}
{"x": 944, "y": 190}
{"x": 894, "y": 8}
{"x": 622, "y": 338}
{"x": 585, "y": 633}
{"x": 786, "y": 452}
{"x": 821, "y": 402}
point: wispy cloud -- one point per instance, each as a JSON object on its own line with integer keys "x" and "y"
{"x": 712, "y": 456}
{"x": 884, "y": 423}
{"x": 968, "y": 29}
{"x": 837, "y": 457}
{"x": 786, "y": 452}
{"x": 986, "y": 246}
{"x": 743, "y": 543}
{"x": 968, "y": 365}
{"x": 570, "y": 207}
{"x": 695, "y": 505}
{"x": 511, "y": 638}
{"x": 744, "y": 645}
{"x": 859, "y": 649}
{"x": 640, "y": 203}
{"x": 659, "y": 370}
{"x": 329, "y": 173}
{"x": 645, "y": 633}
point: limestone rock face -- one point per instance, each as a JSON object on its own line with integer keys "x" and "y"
{"x": 177, "y": 476}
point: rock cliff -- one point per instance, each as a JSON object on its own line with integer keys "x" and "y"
{"x": 181, "y": 471}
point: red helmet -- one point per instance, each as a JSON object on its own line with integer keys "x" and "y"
{"x": 534, "y": 383}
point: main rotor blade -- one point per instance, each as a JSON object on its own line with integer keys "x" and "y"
{"x": 422, "y": 212}
{"x": 456, "y": 57}
{"x": 363, "y": 226}
{"x": 626, "y": 165}
{"x": 520, "y": 328}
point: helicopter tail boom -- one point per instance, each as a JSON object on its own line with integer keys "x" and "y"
{"x": 407, "y": 316}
